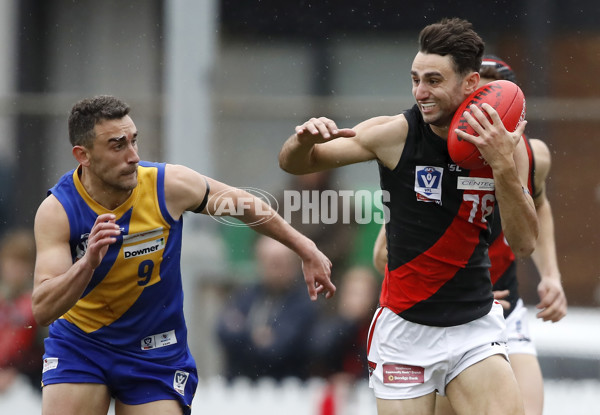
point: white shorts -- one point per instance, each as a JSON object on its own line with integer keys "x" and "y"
{"x": 517, "y": 328}
{"x": 408, "y": 360}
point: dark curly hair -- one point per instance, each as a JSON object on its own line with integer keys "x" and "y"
{"x": 88, "y": 112}
{"x": 454, "y": 37}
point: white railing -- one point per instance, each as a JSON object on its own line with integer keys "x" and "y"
{"x": 215, "y": 396}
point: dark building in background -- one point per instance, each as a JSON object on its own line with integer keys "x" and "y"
{"x": 553, "y": 46}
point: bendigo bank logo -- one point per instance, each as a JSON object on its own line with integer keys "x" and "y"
{"x": 399, "y": 373}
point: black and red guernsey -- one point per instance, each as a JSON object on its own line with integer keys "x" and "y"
{"x": 437, "y": 234}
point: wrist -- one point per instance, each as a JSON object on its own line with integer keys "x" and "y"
{"x": 551, "y": 277}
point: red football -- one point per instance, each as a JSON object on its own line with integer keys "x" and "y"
{"x": 506, "y": 98}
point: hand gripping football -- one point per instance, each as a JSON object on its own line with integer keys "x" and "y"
{"x": 509, "y": 102}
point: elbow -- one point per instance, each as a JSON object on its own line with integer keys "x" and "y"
{"x": 524, "y": 251}
{"x": 283, "y": 165}
{"x": 293, "y": 169}
{"x": 296, "y": 163}
{"x": 523, "y": 242}
{"x": 288, "y": 166}
{"x": 41, "y": 317}
{"x": 526, "y": 247}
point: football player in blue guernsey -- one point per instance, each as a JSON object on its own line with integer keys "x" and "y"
{"x": 438, "y": 328}
{"x": 107, "y": 273}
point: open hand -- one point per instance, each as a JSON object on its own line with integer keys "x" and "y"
{"x": 317, "y": 275}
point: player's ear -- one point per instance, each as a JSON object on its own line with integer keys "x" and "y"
{"x": 471, "y": 82}
{"x": 81, "y": 155}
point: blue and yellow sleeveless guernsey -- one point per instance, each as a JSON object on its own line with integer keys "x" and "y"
{"x": 437, "y": 234}
{"x": 133, "y": 305}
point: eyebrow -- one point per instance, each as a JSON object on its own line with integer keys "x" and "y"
{"x": 428, "y": 74}
{"x": 117, "y": 139}
{"x": 121, "y": 138}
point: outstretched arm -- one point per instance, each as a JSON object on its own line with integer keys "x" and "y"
{"x": 319, "y": 144}
{"x": 185, "y": 189}
{"x": 265, "y": 220}
{"x": 553, "y": 302}
{"x": 304, "y": 152}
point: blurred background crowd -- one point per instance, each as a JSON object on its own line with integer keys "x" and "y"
{"x": 218, "y": 86}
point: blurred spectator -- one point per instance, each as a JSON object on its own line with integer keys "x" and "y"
{"x": 336, "y": 240}
{"x": 264, "y": 329}
{"x": 20, "y": 343}
{"x": 339, "y": 342}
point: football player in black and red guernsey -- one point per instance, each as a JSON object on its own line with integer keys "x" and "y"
{"x": 553, "y": 303}
{"x": 438, "y": 328}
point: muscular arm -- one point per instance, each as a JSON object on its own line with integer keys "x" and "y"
{"x": 506, "y": 154}
{"x": 58, "y": 282}
{"x": 318, "y": 144}
{"x": 185, "y": 189}
{"x": 519, "y": 220}
{"x": 553, "y": 303}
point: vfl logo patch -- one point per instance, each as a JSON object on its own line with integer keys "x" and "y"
{"x": 398, "y": 373}
{"x": 428, "y": 183}
{"x": 157, "y": 341}
{"x": 475, "y": 183}
{"x": 179, "y": 381}
{"x": 50, "y": 363}
{"x": 143, "y": 249}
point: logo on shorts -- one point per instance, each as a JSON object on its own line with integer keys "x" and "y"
{"x": 179, "y": 381}
{"x": 159, "y": 340}
{"x": 50, "y": 363}
{"x": 398, "y": 373}
{"x": 372, "y": 367}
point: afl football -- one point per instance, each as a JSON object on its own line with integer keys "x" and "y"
{"x": 509, "y": 102}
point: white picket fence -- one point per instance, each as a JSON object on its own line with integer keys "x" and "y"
{"x": 215, "y": 396}
{"x": 577, "y": 335}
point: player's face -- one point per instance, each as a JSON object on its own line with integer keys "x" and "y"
{"x": 114, "y": 156}
{"x": 437, "y": 88}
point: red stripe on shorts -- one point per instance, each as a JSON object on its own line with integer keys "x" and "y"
{"x": 370, "y": 337}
